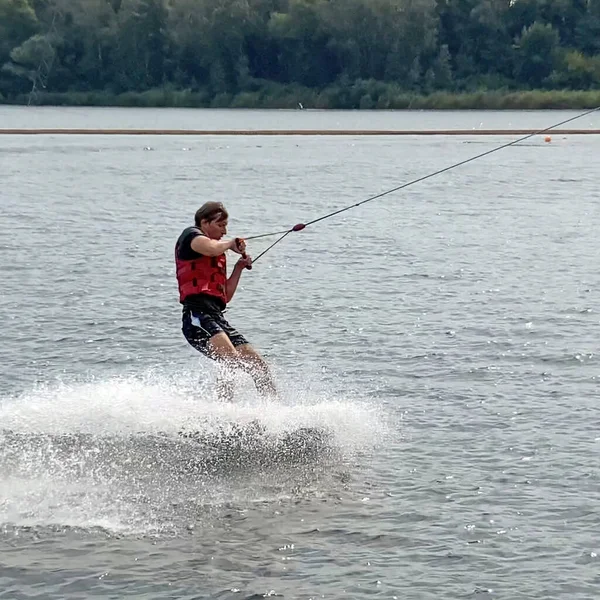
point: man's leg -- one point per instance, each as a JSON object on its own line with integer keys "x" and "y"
{"x": 243, "y": 357}
{"x": 258, "y": 370}
{"x": 222, "y": 350}
{"x": 248, "y": 359}
{"x": 206, "y": 336}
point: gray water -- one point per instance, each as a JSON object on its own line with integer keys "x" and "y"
{"x": 445, "y": 337}
{"x": 235, "y": 119}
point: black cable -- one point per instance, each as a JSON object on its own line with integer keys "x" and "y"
{"x": 301, "y": 226}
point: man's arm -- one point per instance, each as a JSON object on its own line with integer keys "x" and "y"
{"x": 208, "y": 247}
{"x": 234, "y": 278}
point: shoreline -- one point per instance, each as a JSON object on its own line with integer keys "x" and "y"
{"x": 356, "y": 97}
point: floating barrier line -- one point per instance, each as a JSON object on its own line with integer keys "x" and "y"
{"x": 307, "y": 132}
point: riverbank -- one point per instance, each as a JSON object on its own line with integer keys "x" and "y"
{"x": 366, "y": 95}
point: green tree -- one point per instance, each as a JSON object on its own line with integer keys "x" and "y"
{"x": 477, "y": 35}
{"x": 537, "y": 51}
{"x": 577, "y": 71}
{"x": 587, "y": 30}
{"x": 32, "y": 61}
{"x": 381, "y": 39}
{"x": 442, "y": 69}
{"x": 141, "y": 44}
{"x": 349, "y": 53}
{"x": 302, "y": 43}
{"x": 18, "y": 22}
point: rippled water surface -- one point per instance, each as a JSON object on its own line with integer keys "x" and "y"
{"x": 438, "y": 431}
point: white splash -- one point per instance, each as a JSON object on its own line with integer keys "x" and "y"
{"x": 47, "y": 479}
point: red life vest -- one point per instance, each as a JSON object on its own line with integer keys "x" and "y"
{"x": 202, "y": 275}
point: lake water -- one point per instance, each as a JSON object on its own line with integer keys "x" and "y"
{"x": 445, "y": 337}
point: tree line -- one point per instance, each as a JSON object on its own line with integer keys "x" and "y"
{"x": 351, "y": 53}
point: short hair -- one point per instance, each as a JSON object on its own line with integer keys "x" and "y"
{"x": 210, "y": 211}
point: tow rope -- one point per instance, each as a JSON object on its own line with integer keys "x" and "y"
{"x": 300, "y": 226}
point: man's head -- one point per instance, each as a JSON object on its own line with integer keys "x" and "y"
{"x": 211, "y": 218}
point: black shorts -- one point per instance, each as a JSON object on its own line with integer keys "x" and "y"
{"x": 199, "y": 327}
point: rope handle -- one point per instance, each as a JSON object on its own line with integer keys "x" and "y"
{"x": 238, "y": 241}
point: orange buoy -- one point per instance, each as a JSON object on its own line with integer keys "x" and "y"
{"x": 547, "y": 139}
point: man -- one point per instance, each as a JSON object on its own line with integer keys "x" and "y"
{"x": 205, "y": 291}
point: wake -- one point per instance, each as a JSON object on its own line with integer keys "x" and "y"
{"x": 138, "y": 453}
